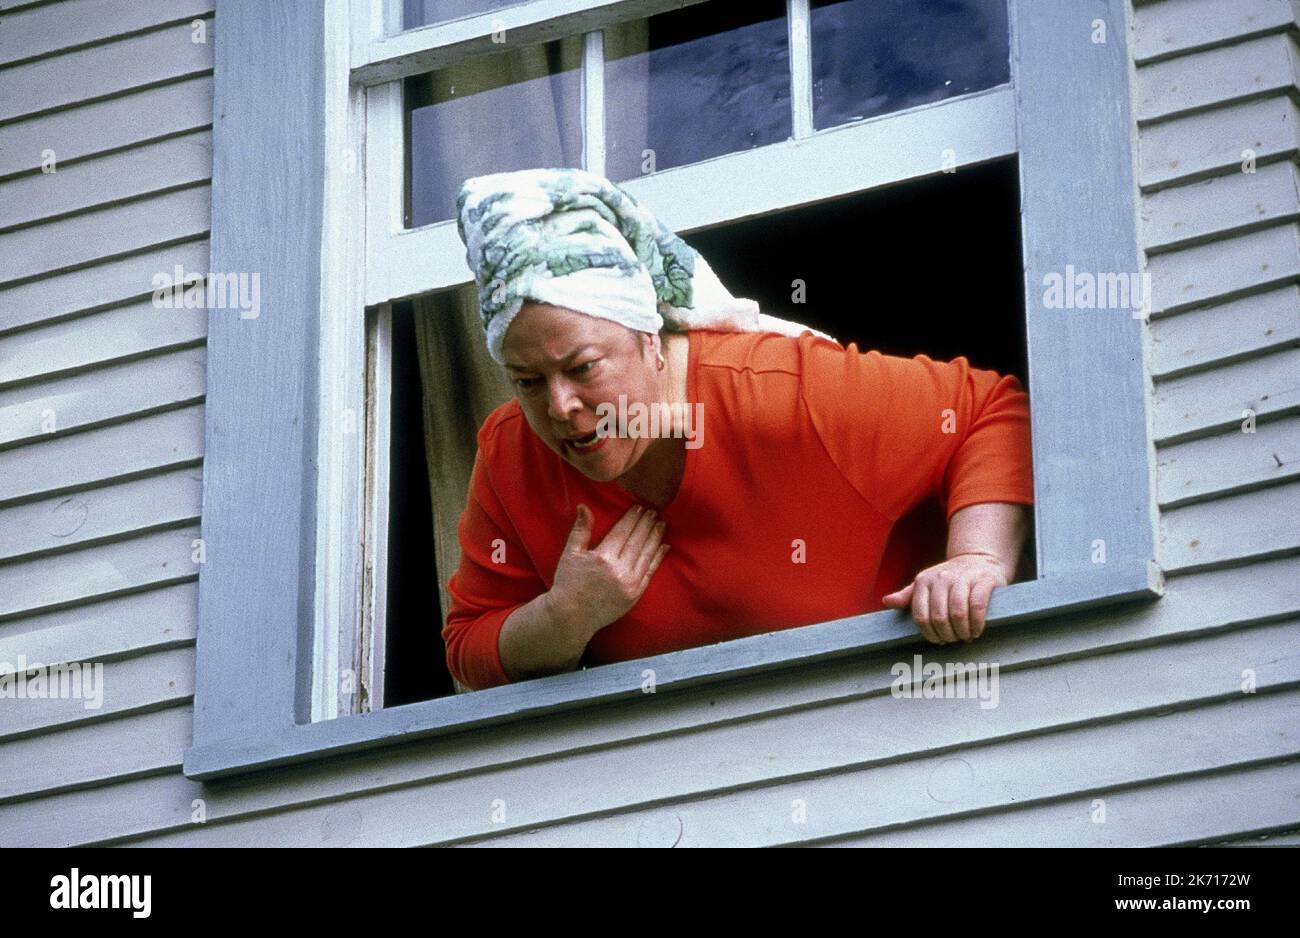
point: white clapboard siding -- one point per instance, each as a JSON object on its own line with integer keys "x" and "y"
{"x": 110, "y": 124}
{"x": 52, "y": 28}
{"x": 1229, "y": 462}
{"x": 1283, "y": 839}
{"x": 1182, "y": 812}
{"x": 1232, "y": 204}
{"x": 97, "y": 287}
{"x": 99, "y": 507}
{"x": 123, "y": 566}
{"x": 1218, "y": 142}
{"x": 1255, "y": 67}
{"x": 83, "y": 756}
{"x": 82, "y": 460}
{"x": 105, "y": 70}
{"x": 1261, "y": 523}
{"x": 107, "y": 180}
{"x": 1164, "y": 29}
{"x": 114, "y": 335}
{"x": 1223, "y": 270}
{"x": 841, "y": 734}
{"x": 149, "y": 620}
{"x": 104, "y": 691}
{"x": 1225, "y": 332}
{"x": 1063, "y": 765}
{"x": 1215, "y": 400}
{"x": 164, "y": 499}
{"x": 97, "y": 396}
{"x": 112, "y": 232}
{"x": 1217, "y": 600}
{"x": 1181, "y": 756}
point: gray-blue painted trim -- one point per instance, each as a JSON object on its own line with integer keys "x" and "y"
{"x": 790, "y": 648}
{"x": 256, "y": 587}
{"x": 259, "y": 483}
{"x": 1092, "y": 459}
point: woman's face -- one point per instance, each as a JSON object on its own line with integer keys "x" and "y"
{"x": 563, "y": 365}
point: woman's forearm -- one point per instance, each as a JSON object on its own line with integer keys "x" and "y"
{"x": 538, "y": 639}
{"x": 995, "y": 528}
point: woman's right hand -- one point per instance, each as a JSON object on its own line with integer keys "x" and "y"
{"x": 594, "y": 587}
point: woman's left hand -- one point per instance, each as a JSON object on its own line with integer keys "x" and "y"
{"x": 950, "y": 600}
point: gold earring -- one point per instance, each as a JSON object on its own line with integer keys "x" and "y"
{"x": 661, "y": 361}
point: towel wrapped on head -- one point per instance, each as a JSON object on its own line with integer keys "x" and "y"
{"x": 571, "y": 238}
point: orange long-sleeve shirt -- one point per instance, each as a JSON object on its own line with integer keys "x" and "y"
{"x": 811, "y": 454}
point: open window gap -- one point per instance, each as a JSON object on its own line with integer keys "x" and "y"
{"x": 928, "y": 267}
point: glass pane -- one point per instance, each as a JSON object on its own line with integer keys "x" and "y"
{"x": 695, "y": 83}
{"x": 424, "y": 12}
{"x": 490, "y": 114}
{"x": 875, "y": 56}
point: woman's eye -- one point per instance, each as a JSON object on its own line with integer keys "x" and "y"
{"x": 583, "y": 368}
{"x": 525, "y": 383}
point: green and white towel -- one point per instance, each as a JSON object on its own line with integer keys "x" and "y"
{"x": 574, "y": 239}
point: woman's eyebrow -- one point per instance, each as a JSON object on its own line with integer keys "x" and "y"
{"x": 567, "y": 358}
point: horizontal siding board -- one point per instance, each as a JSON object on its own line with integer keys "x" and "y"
{"x": 62, "y": 580}
{"x": 1216, "y": 400}
{"x": 1284, "y": 839}
{"x": 1201, "y": 210}
{"x": 1226, "y": 331}
{"x": 110, "y": 691}
{"x": 1202, "y": 602}
{"x": 87, "y": 458}
{"x": 123, "y": 229}
{"x": 107, "y": 284}
{"x": 1057, "y": 765}
{"x": 42, "y": 30}
{"x": 152, "y": 502}
{"x": 102, "y": 394}
{"x": 111, "y": 628}
{"x": 127, "y": 120}
{"x": 1195, "y": 82}
{"x": 1181, "y": 811}
{"x": 97, "y": 339}
{"x": 127, "y": 174}
{"x": 1199, "y": 275}
{"x": 808, "y": 741}
{"x": 91, "y": 755}
{"x": 116, "y": 806}
{"x": 1213, "y": 142}
{"x": 1228, "y": 462}
{"x": 1253, "y": 524}
{"x": 1179, "y": 26}
{"x": 108, "y": 69}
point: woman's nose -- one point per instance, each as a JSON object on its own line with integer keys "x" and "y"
{"x": 562, "y": 402}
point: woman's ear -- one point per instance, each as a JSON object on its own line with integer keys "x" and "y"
{"x": 649, "y": 345}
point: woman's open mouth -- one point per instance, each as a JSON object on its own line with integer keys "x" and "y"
{"x": 585, "y": 444}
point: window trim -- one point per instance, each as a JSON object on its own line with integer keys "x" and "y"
{"x": 259, "y": 683}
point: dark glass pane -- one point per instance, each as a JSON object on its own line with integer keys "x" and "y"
{"x": 490, "y": 114}
{"x": 871, "y": 57}
{"x": 424, "y": 12}
{"x": 695, "y": 83}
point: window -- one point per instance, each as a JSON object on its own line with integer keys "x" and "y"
{"x": 299, "y": 415}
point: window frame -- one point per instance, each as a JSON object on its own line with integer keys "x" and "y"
{"x": 287, "y": 599}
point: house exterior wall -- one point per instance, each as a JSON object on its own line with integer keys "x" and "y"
{"x": 1132, "y": 714}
